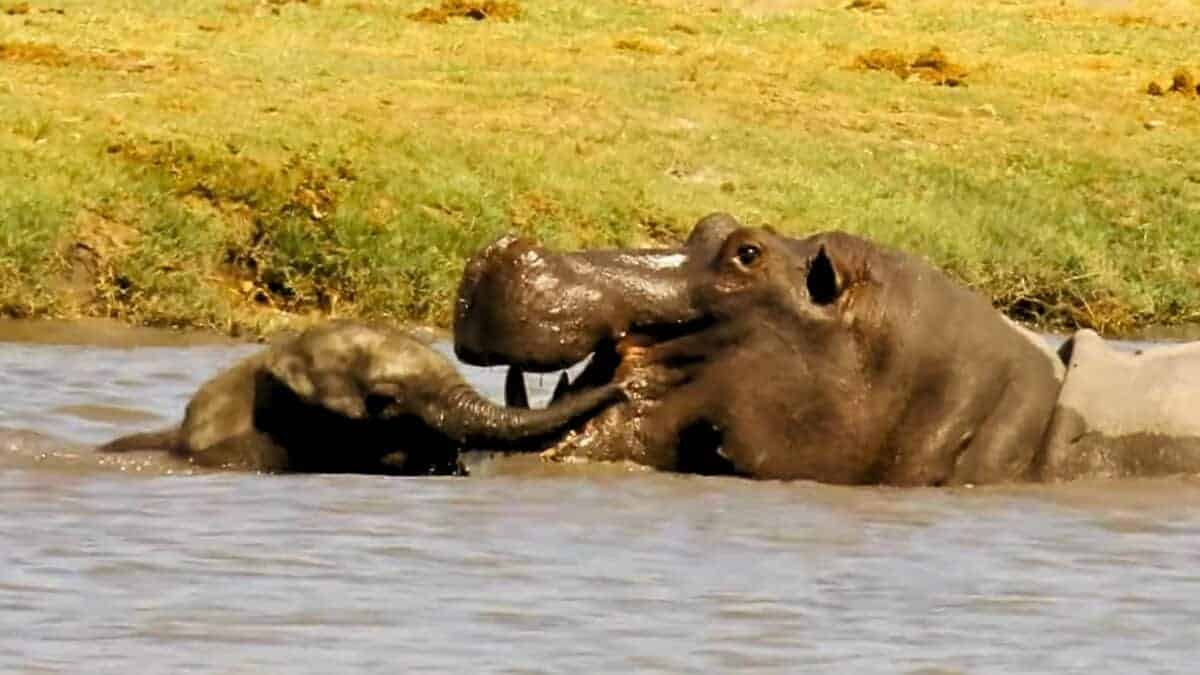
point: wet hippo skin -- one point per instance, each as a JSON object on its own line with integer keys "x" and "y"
{"x": 828, "y": 358}
{"x": 1125, "y": 414}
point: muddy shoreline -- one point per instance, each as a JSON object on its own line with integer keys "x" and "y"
{"x": 111, "y": 333}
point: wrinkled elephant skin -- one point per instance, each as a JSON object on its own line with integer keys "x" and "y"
{"x": 349, "y": 397}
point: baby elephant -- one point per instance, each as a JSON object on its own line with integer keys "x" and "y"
{"x": 349, "y": 397}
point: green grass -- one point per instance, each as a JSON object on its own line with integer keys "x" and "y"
{"x": 237, "y": 165}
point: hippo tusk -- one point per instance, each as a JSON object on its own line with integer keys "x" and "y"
{"x": 515, "y": 394}
{"x": 560, "y": 389}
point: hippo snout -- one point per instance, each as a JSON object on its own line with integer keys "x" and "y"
{"x": 520, "y": 304}
{"x": 524, "y": 305}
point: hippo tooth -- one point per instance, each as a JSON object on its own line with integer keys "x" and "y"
{"x": 515, "y": 394}
{"x": 560, "y": 389}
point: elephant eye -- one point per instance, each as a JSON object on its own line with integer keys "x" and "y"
{"x": 748, "y": 254}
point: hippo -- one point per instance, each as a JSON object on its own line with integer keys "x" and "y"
{"x": 827, "y": 358}
{"x": 347, "y": 396}
{"x": 1123, "y": 414}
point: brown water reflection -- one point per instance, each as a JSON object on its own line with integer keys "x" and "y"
{"x": 529, "y": 568}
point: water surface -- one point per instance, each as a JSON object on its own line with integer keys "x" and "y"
{"x": 522, "y": 568}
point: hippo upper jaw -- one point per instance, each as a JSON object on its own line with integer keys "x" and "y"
{"x": 522, "y": 305}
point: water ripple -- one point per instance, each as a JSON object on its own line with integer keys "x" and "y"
{"x": 572, "y": 570}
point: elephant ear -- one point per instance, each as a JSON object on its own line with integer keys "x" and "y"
{"x": 338, "y": 390}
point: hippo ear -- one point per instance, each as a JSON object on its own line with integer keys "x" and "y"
{"x": 823, "y": 284}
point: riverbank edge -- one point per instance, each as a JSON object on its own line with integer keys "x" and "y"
{"x": 116, "y": 334}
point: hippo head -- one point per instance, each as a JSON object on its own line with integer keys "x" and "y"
{"x": 826, "y": 358}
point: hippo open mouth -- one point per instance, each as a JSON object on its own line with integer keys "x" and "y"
{"x": 603, "y": 364}
{"x": 616, "y": 432}
{"x": 537, "y": 310}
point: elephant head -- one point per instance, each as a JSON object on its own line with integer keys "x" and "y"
{"x": 346, "y": 396}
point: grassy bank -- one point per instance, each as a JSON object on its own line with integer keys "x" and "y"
{"x": 234, "y": 164}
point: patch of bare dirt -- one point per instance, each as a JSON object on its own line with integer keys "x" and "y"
{"x": 636, "y": 44}
{"x": 1182, "y": 82}
{"x": 883, "y": 59}
{"x": 496, "y": 10}
{"x": 765, "y": 8}
{"x": 262, "y": 8}
{"x": 54, "y": 56}
{"x": 1169, "y": 14}
{"x": 531, "y": 208}
{"x": 36, "y": 54}
{"x": 868, "y": 5}
{"x": 684, "y": 27}
{"x": 1126, "y": 20}
{"x": 89, "y": 252}
{"x": 23, "y": 8}
{"x": 930, "y": 66}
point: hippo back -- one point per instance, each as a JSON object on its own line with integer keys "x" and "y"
{"x": 1125, "y": 413}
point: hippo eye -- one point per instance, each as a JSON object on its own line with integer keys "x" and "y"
{"x": 748, "y": 254}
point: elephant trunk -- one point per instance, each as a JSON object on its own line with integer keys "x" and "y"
{"x": 470, "y": 418}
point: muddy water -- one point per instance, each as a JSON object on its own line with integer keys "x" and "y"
{"x": 108, "y": 569}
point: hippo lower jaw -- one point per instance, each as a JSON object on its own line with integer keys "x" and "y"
{"x": 622, "y": 431}
{"x": 600, "y": 369}
{"x": 601, "y": 363}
